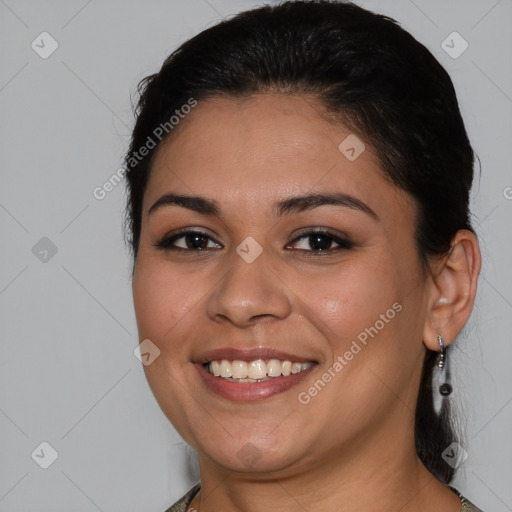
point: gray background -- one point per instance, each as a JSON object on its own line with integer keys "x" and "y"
{"x": 68, "y": 375}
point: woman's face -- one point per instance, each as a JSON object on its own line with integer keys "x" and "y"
{"x": 300, "y": 251}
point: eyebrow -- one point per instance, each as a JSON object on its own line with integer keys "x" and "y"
{"x": 283, "y": 207}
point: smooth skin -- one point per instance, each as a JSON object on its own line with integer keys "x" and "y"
{"x": 352, "y": 446}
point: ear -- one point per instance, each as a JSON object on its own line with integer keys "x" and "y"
{"x": 452, "y": 290}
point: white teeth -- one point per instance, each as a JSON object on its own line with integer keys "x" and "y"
{"x": 239, "y": 369}
{"x": 253, "y": 380}
{"x": 286, "y": 368}
{"x": 215, "y": 368}
{"x": 274, "y": 368}
{"x": 225, "y": 369}
{"x": 296, "y": 367}
{"x": 256, "y": 370}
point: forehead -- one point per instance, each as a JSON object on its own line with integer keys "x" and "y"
{"x": 263, "y": 148}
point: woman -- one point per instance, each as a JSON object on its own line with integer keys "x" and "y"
{"x": 299, "y": 182}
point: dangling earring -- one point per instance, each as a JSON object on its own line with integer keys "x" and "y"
{"x": 442, "y": 353}
{"x": 445, "y": 389}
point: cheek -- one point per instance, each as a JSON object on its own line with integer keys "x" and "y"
{"x": 162, "y": 299}
{"x": 344, "y": 302}
{"x": 359, "y": 312}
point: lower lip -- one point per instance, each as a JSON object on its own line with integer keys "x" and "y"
{"x": 251, "y": 391}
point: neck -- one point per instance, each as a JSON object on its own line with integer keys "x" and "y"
{"x": 388, "y": 478}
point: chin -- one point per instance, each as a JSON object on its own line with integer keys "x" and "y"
{"x": 252, "y": 454}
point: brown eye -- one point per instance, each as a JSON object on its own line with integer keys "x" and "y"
{"x": 188, "y": 240}
{"x": 319, "y": 241}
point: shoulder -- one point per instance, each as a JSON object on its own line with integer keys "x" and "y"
{"x": 182, "y": 504}
{"x": 466, "y": 505}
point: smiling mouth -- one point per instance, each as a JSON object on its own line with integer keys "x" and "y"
{"x": 259, "y": 370}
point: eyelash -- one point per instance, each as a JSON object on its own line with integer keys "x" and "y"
{"x": 167, "y": 242}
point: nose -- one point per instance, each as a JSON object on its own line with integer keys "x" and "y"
{"x": 248, "y": 293}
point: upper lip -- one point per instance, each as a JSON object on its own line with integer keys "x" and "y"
{"x": 235, "y": 354}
